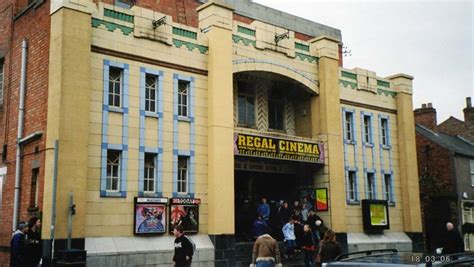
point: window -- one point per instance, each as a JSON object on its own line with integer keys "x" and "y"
{"x": 1, "y": 82}
{"x": 471, "y": 163}
{"x": 370, "y": 185}
{"x": 124, "y": 3}
{"x": 149, "y": 173}
{"x": 115, "y": 87}
{"x": 151, "y": 89}
{"x": 183, "y": 92}
{"x": 246, "y": 105}
{"x": 113, "y": 170}
{"x": 276, "y": 111}
{"x": 352, "y": 185}
{"x": 34, "y": 187}
{"x": 387, "y": 179}
{"x": 385, "y": 136}
{"x": 183, "y": 174}
{"x": 367, "y": 129}
{"x": 349, "y": 129}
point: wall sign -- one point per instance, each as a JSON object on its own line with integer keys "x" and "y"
{"x": 275, "y": 148}
{"x": 185, "y": 212}
{"x": 322, "y": 199}
{"x": 150, "y": 215}
{"x": 375, "y": 215}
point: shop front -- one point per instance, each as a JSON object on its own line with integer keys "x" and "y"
{"x": 277, "y": 169}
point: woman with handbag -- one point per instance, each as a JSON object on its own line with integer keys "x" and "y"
{"x": 329, "y": 248}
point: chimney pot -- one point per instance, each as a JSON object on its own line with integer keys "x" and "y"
{"x": 430, "y": 105}
{"x": 468, "y": 102}
{"x": 423, "y": 105}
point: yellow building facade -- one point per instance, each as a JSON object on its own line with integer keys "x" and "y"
{"x": 205, "y": 121}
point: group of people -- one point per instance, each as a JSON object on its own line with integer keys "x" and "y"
{"x": 301, "y": 230}
{"x": 25, "y": 245}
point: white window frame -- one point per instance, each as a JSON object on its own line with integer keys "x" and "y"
{"x": 370, "y": 180}
{"x": 351, "y": 185}
{"x": 183, "y": 175}
{"x": 349, "y": 125}
{"x": 384, "y": 131}
{"x": 149, "y": 173}
{"x": 152, "y": 91}
{"x": 387, "y": 180}
{"x": 116, "y": 81}
{"x": 367, "y": 122}
{"x": 183, "y": 95}
{"x": 117, "y": 164}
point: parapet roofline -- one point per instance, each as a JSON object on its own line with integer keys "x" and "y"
{"x": 281, "y": 19}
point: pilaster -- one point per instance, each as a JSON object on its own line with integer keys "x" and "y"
{"x": 326, "y": 121}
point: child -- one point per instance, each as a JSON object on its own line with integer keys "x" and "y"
{"x": 308, "y": 245}
{"x": 290, "y": 238}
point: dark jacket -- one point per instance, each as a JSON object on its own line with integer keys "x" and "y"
{"x": 182, "y": 248}
{"x": 452, "y": 242}
{"x": 307, "y": 241}
{"x": 18, "y": 250}
{"x": 329, "y": 251}
{"x": 34, "y": 248}
{"x": 284, "y": 215}
{"x": 259, "y": 227}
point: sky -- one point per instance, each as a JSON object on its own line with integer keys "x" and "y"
{"x": 430, "y": 40}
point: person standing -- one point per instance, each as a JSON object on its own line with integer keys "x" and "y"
{"x": 264, "y": 209}
{"x": 309, "y": 246}
{"x": 266, "y": 252}
{"x": 290, "y": 238}
{"x": 18, "y": 246}
{"x": 306, "y": 207}
{"x": 452, "y": 241}
{"x": 34, "y": 242}
{"x": 329, "y": 248}
{"x": 259, "y": 227}
{"x": 296, "y": 210}
{"x": 183, "y": 248}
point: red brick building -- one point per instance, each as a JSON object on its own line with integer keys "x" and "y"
{"x": 446, "y": 167}
{"x": 22, "y": 20}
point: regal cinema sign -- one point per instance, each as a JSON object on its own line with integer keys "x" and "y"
{"x": 275, "y": 148}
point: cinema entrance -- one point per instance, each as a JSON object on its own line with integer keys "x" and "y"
{"x": 281, "y": 170}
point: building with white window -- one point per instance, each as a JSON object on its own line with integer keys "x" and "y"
{"x": 185, "y": 112}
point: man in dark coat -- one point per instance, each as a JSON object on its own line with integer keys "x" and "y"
{"x": 183, "y": 248}
{"x": 18, "y": 245}
{"x": 452, "y": 241}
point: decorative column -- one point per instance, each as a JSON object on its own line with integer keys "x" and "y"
{"x": 408, "y": 161}
{"x": 326, "y": 124}
{"x": 216, "y": 19}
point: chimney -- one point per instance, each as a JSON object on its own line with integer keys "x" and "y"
{"x": 426, "y": 116}
{"x": 468, "y": 112}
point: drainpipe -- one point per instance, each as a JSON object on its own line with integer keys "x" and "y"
{"x": 21, "y": 113}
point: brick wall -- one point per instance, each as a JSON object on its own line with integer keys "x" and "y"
{"x": 34, "y": 25}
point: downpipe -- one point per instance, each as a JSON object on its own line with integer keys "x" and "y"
{"x": 21, "y": 114}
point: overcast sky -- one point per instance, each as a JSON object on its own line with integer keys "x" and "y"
{"x": 430, "y": 40}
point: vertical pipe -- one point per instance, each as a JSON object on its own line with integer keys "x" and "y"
{"x": 21, "y": 113}
{"x": 69, "y": 221}
{"x": 53, "y": 207}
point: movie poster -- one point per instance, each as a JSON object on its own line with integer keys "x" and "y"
{"x": 150, "y": 215}
{"x": 185, "y": 212}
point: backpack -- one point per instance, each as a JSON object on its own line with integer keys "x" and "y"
{"x": 192, "y": 243}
